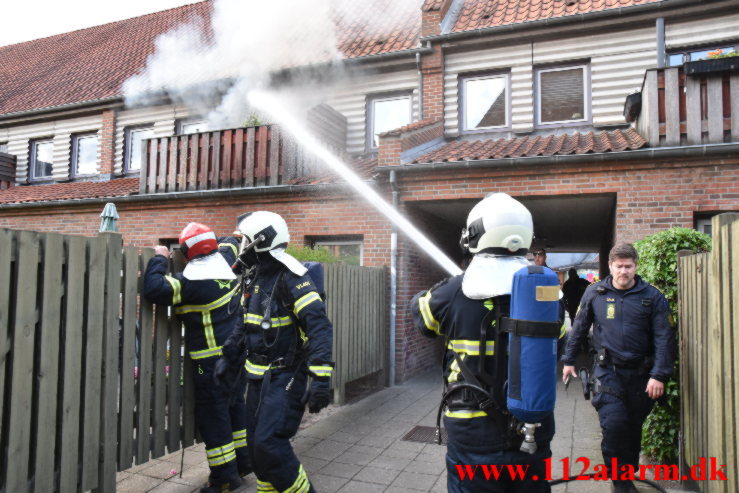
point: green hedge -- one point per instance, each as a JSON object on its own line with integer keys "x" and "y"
{"x": 658, "y": 266}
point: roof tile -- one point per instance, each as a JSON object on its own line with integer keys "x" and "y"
{"x": 68, "y": 191}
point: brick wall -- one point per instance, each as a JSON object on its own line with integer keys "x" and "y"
{"x": 432, "y": 70}
{"x": 107, "y": 142}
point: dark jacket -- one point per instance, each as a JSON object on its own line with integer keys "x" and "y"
{"x": 208, "y": 308}
{"x": 631, "y": 325}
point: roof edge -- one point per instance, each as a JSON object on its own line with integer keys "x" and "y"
{"x": 61, "y": 107}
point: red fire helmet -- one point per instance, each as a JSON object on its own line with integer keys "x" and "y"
{"x": 196, "y": 240}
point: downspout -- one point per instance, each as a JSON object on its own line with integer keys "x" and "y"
{"x": 661, "y": 55}
{"x": 393, "y": 282}
{"x": 420, "y": 88}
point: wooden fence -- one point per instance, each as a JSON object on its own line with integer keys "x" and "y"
{"x": 356, "y": 301}
{"x": 92, "y": 378}
{"x": 709, "y": 353}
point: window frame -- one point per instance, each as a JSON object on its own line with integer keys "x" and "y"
{"x": 686, "y": 51}
{"x": 4, "y": 144}
{"x": 190, "y": 121}
{"x": 74, "y": 173}
{"x": 32, "y": 159}
{"x": 127, "y": 131}
{"x": 462, "y": 100}
{"x": 370, "y": 123}
{"x": 587, "y": 95}
{"x": 339, "y": 240}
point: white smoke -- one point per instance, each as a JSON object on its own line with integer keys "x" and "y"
{"x": 248, "y": 41}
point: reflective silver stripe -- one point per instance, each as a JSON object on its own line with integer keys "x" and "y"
{"x": 220, "y": 455}
{"x": 423, "y": 304}
{"x": 471, "y": 347}
{"x": 222, "y": 459}
{"x": 255, "y": 369}
{"x": 239, "y": 438}
{"x": 207, "y": 353}
{"x": 253, "y": 318}
{"x": 301, "y": 483}
{"x": 305, "y": 300}
{"x": 176, "y": 289}
{"x": 208, "y": 235}
{"x": 321, "y": 371}
{"x": 265, "y": 487}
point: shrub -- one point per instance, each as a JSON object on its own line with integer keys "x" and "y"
{"x": 308, "y": 254}
{"x": 658, "y": 266}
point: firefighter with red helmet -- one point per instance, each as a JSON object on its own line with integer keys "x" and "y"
{"x": 204, "y": 297}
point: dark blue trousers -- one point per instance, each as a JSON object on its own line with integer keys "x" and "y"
{"x": 221, "y": 422}
{"x": 622, "y": 407}
{"x": 273, "y": 415}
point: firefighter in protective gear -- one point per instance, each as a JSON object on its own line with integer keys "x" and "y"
{"x": 466, "y": 310}
{"x": 204, "y": 298}
{"x": 287, "y": 337}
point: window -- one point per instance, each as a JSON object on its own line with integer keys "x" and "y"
{"x": 387, "y": 113}
{"x": 42, "y": 156}
{"x": 677, "y": 58}
{"x": 484, "y": 102}
{"x": 4, "y": 147}
{"x": 563, "y": 95}
{"x": 347, "y": 248}
{"x": 185, "y": 127}
{"x": 703, "y": 225}
{"x": 134, "y": 136}
{"x": 84, "y": 154}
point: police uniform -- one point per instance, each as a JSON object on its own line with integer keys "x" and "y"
{"x": 477, "y": 436}
{"x": 288, "y": 337}
{"x": 210, "y": 311}
{"x": 635, "y": 342}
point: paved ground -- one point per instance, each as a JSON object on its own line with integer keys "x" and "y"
{"x": 358, "y": 447}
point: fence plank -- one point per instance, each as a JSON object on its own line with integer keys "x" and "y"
{"x": 732, "y": 282}
{"x": 238, "y": 157}
{"x": 261, "y": 161}
{"x": 128, "y": 357}
{"x": 158, "y": 423}
{"x": 151, "y": 173}
{"x": 21, "y": 372}
{"x": 274, "y": 156}
{"x": 172, "y": 166}
{"x": 714, "y": 93}
{"x": 163, "y": 164}
{"x": 204, "y": 146}
{"x": 143, "y": 404}
{"x": 215, "y": 177}
{"x": 7, "y": 239}
{"x": 226, "y": 161}
{"x": 693, "y": 112}
{"x": 48, "y": 371}
{"x": 249, "y": 158}
{"x": 672, "y": 107}
{"x": 734, "y": 92}
{"x": 188, "y": 392}
{"x": 94, "y": 304}
{"x": 72, "y": 355}
{"x": 652, "y": 107}
{"x": 193, "y": 142}
{"x": 174, "y": 389}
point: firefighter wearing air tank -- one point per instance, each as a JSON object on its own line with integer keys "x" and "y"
{"x": 473, "y": 313}
{"x": 287, "y": 338}
{"x": 204, "y": 298}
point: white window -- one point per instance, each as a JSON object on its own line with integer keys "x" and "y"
{"x": 84, "y": 154}
{"x": 388, "y": 113}
{"x": 42, "y": 157}
{"x": 484, "y": 102}
{"x": 349, "y": 251}
{"x": 563, "y": 95}
{"x": 192, "y": 127}
{"x": 134, "y": 136}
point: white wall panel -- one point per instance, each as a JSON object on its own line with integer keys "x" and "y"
{"x": 704, "y": 31}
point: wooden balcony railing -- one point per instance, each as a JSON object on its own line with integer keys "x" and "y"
{"x": 236, "y": 158}
{"x": 680, "y": 109}
{"x": 7, "y": 170}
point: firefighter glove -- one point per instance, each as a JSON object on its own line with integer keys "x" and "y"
{"x": 320, "y": 395}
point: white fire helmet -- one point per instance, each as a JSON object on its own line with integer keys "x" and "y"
{"x": 273, "y": 228}
{"x": 499, "y": 232}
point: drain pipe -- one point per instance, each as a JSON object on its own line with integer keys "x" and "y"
{"x": 393, "y": 281}
{"x": 661, "y": 55}
{"x": 420, "y": 88}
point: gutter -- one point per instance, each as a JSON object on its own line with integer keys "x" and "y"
{"x": 173, "y": 196}
{"x": 704, "y": 150}
{"x": 557, "y": 21}
{"x": 423, "y": 50}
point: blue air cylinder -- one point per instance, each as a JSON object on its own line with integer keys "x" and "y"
{"x": 532, "y": 343}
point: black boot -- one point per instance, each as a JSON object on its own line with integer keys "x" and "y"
{"x": 230, "y": 486}
{"x": 624, "y": 487}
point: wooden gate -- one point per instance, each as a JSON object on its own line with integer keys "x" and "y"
{"x": 709, "y": 353}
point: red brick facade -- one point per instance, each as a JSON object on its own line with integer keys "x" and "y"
{"x": 107, "y": 142}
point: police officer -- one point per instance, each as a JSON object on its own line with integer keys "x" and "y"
{"x": 203, "y": 296}
{"x": 287, "y": 337}
{"x": 459, "y": 309}
{"x": 635, "y": 354}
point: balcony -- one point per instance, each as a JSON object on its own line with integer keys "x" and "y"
{"x": 680, "y": 109}
{"x": 7, "y": 170}
{"x": 236, "y": 158}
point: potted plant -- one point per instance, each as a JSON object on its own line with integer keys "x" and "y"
{"x": 717, "y": 62}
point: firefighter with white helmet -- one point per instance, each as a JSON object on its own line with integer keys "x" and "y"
{"x": 467, "y": 310}
{"x": 287, "y": 338}
{"x": 204, "y": 297}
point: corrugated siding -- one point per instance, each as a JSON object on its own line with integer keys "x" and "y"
{"x": 351, "y": 101}
{"x": 618, "y": 62}
{"x": 162, "y": 118}
{"x": 695, "y": 32}
{"x": 61, "y": 131}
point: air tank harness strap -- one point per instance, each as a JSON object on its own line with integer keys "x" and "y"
{"x": 529, "y": 328}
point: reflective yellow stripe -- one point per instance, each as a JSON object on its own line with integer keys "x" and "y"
{"x": 218, "y": 461}
{"x": 176, "y": 289}
{"x": 305, "y": 300}
{"x": 230, "y": 245}
{"x": 210, "y": 306}
{"x": 206, "y": 353}
{"x": 265, "y": 487}
{"x": 220, "y": 455}
{"x": 301, "y": 483}
{"x": 253, "y": 318}
{"x": 321, "y": 371}
{"x": 255, "y": 369}
{"x": 471, "y": 347}
{"x": 431, "y": 323}
{"x": 210, "y": 336}
{"x": 217, "y": 451}
{"x": 454, "y": 370}
{"x": 465, "y": 414}
{"x": 239, "y": 438}
{"x": 562, "y": 331}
